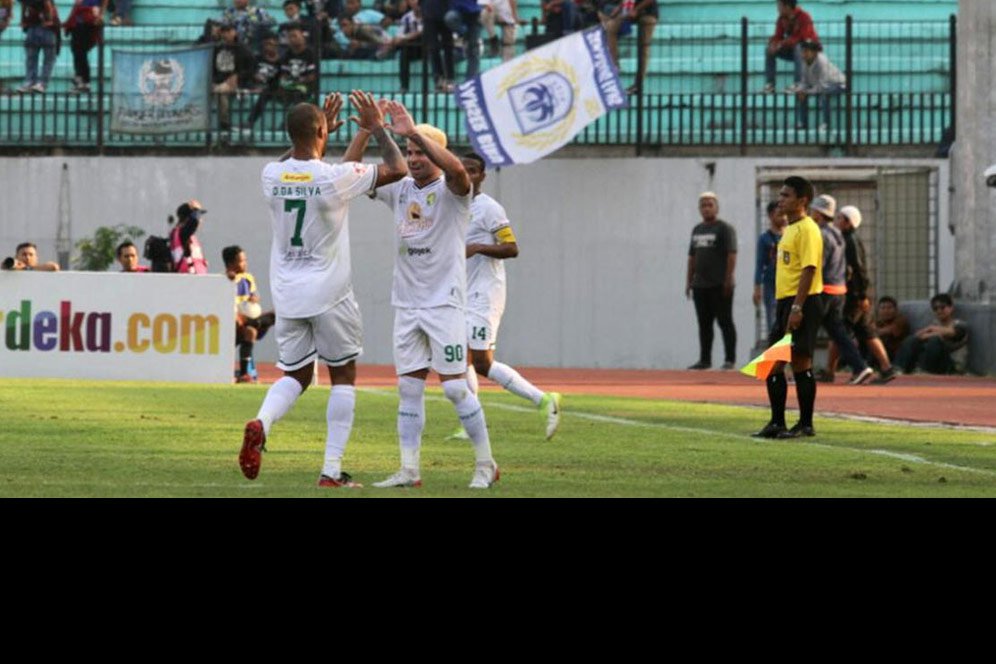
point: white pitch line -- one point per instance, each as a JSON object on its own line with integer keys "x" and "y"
{"x": 608, "y": 419}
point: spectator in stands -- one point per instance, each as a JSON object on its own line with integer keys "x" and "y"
{"x": 941, "y": 348}
{"x": 644, "y": 14}
{"x": 409, "y": 42}
{"x": 464, "y": 18}
{"x": 439, "y": 42}
{"x": 298, "y": 74}
{"x": 892, "y": 326}
{"x": 266, "y": 75}
{"x": 122, "y": 13}
{"x": 363, "y": 41}
{"x": 211, "y": 32}
{"x": 85, "y": 29}
{"x": 251, "y": 23}
{"x": 185, "y": 248}
{"x": 793, "y": 27}
{"x": 326, "y": 11}
{"x": 560, "y": 17}
{"x": 316, "y": 33}
{"x": 504, "y": 13}
{"x": 820, "y": 77}
{"x": 27, "y": 255}
{"x": 6, "y": 12}
{"x": 251, "y": 323}
{"x": 127, "y": 254}
{"x": 40, "y": 22}
{"x": 394, "y": 10}
{"x": 587, "y": 13}
{"x": 233, "y": 69}
{"x": 765, "y": 263}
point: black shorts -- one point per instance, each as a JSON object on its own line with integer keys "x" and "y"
{"x": 858, "y": 321}
{"x": 804, "y": 337}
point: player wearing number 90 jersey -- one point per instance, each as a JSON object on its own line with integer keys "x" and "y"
{"x": 310, "y": 280}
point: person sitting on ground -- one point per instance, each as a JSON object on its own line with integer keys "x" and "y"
{"x": 251, "y": 322}
{"x": 892, "y": 326}
{"x": 127, "y": 254}
{"x": 27, "y": 255}
{"x": 941, "y": 348}
{"x": 793, "y": 27}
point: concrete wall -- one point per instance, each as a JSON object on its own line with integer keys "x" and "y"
{"x": 599, "y": 281}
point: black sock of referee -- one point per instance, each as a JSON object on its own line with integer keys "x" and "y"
{"x": 777, "y": 393}
{"x": 805, "y": 391}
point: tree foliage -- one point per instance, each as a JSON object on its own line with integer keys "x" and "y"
{"x": 96, "y": 253}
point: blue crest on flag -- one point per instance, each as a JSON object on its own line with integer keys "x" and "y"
{"x": 541, "y": 101}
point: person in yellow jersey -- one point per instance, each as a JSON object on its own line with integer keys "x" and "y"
{"x": 798, "y": 284}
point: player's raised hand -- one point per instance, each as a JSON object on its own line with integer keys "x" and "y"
{"x": 331, "y": 109}
{"x": 401, "y": 120}
{"x": 369, "y": 115}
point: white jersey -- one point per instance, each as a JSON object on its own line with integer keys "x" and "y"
{"x": 309, "y": 260}
{"x": 430, "y": 224}
{"x": 485, "y": 275}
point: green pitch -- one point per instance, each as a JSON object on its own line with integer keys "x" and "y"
{"x": 88, "y": 439}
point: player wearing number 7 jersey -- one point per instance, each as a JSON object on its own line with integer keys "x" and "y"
{"x": 431, "y": 213}
{"x": 310, "y": 277}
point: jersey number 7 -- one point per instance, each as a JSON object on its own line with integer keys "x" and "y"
{"x": 291, "y": 206}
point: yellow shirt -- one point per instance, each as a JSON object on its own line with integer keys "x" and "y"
{"x": 801, "y": 246}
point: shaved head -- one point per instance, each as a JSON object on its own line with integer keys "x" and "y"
{"x": 303, "y": 122}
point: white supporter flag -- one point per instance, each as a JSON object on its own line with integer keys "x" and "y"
{"x": 528, "y": 107}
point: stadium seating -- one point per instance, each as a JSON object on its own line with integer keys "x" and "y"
{"x": 900, "y": 47}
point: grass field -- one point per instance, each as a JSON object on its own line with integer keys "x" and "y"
{"x": 88, "y": 439}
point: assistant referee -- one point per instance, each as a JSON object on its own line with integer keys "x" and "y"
{"x": 798, "y": 284}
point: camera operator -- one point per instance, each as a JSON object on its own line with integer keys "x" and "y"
{"x": 185, "y": 248}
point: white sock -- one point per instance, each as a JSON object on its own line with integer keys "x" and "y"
{"x": 471, "y": 417}
{"x": 411, "y": 420}
{"x": 339, "y": 417}
{"x": 472, "y": 378}
{"x": 513, "y": 381}
{"x": 279, "y": 399}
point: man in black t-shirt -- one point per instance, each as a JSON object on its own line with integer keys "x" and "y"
{"x": 712, "y": 257}
{"x": 298, "y": 73}
{"x": 233, "y": 68}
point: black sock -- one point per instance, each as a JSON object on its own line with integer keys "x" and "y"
{"x": 245, "y": 354}
{"x": 805, "y": 391}
{"x": 777, "y": 393}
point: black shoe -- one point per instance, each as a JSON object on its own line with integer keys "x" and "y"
{"x": 700, "y": 365}
{"x": 770, "y": 430}
{"x": 727, "y": 366}
{"x": 886, "y": 377}
{"x": 798, "y": 431}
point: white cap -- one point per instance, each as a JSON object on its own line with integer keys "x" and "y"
{"x": 825, "y": 204}
{"x": 709, "y": 194}
{"x": 853, "y": 215}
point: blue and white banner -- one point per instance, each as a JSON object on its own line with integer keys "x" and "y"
{"x": 161, "y": 92}
{"x": 528, "y": 107}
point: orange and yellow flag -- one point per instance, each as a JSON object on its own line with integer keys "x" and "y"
{"x": 760, "y": 367}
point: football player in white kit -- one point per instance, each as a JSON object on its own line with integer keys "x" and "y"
{"x": 431, "y": 213}
{"x": 490, "y": 241}
{"x": 310, "y": 275}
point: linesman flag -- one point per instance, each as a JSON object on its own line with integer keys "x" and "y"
{"x": 760, "y": 367}
{"x": 531, "y": 105}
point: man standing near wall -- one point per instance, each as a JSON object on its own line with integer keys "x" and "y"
{"x": 712, "y": 257}
{"x": 798, "y": 285}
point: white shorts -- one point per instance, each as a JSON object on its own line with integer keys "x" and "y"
{"x": 482, "y": 329}
{"x": 434, "y": 337}
{"x": 335, "y": 337}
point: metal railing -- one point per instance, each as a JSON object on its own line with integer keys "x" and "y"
{"x": 703, "y": 88}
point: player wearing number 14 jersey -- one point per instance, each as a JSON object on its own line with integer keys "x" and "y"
{"x": 310, "y": 279}
{"x": 490, "y": 241}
